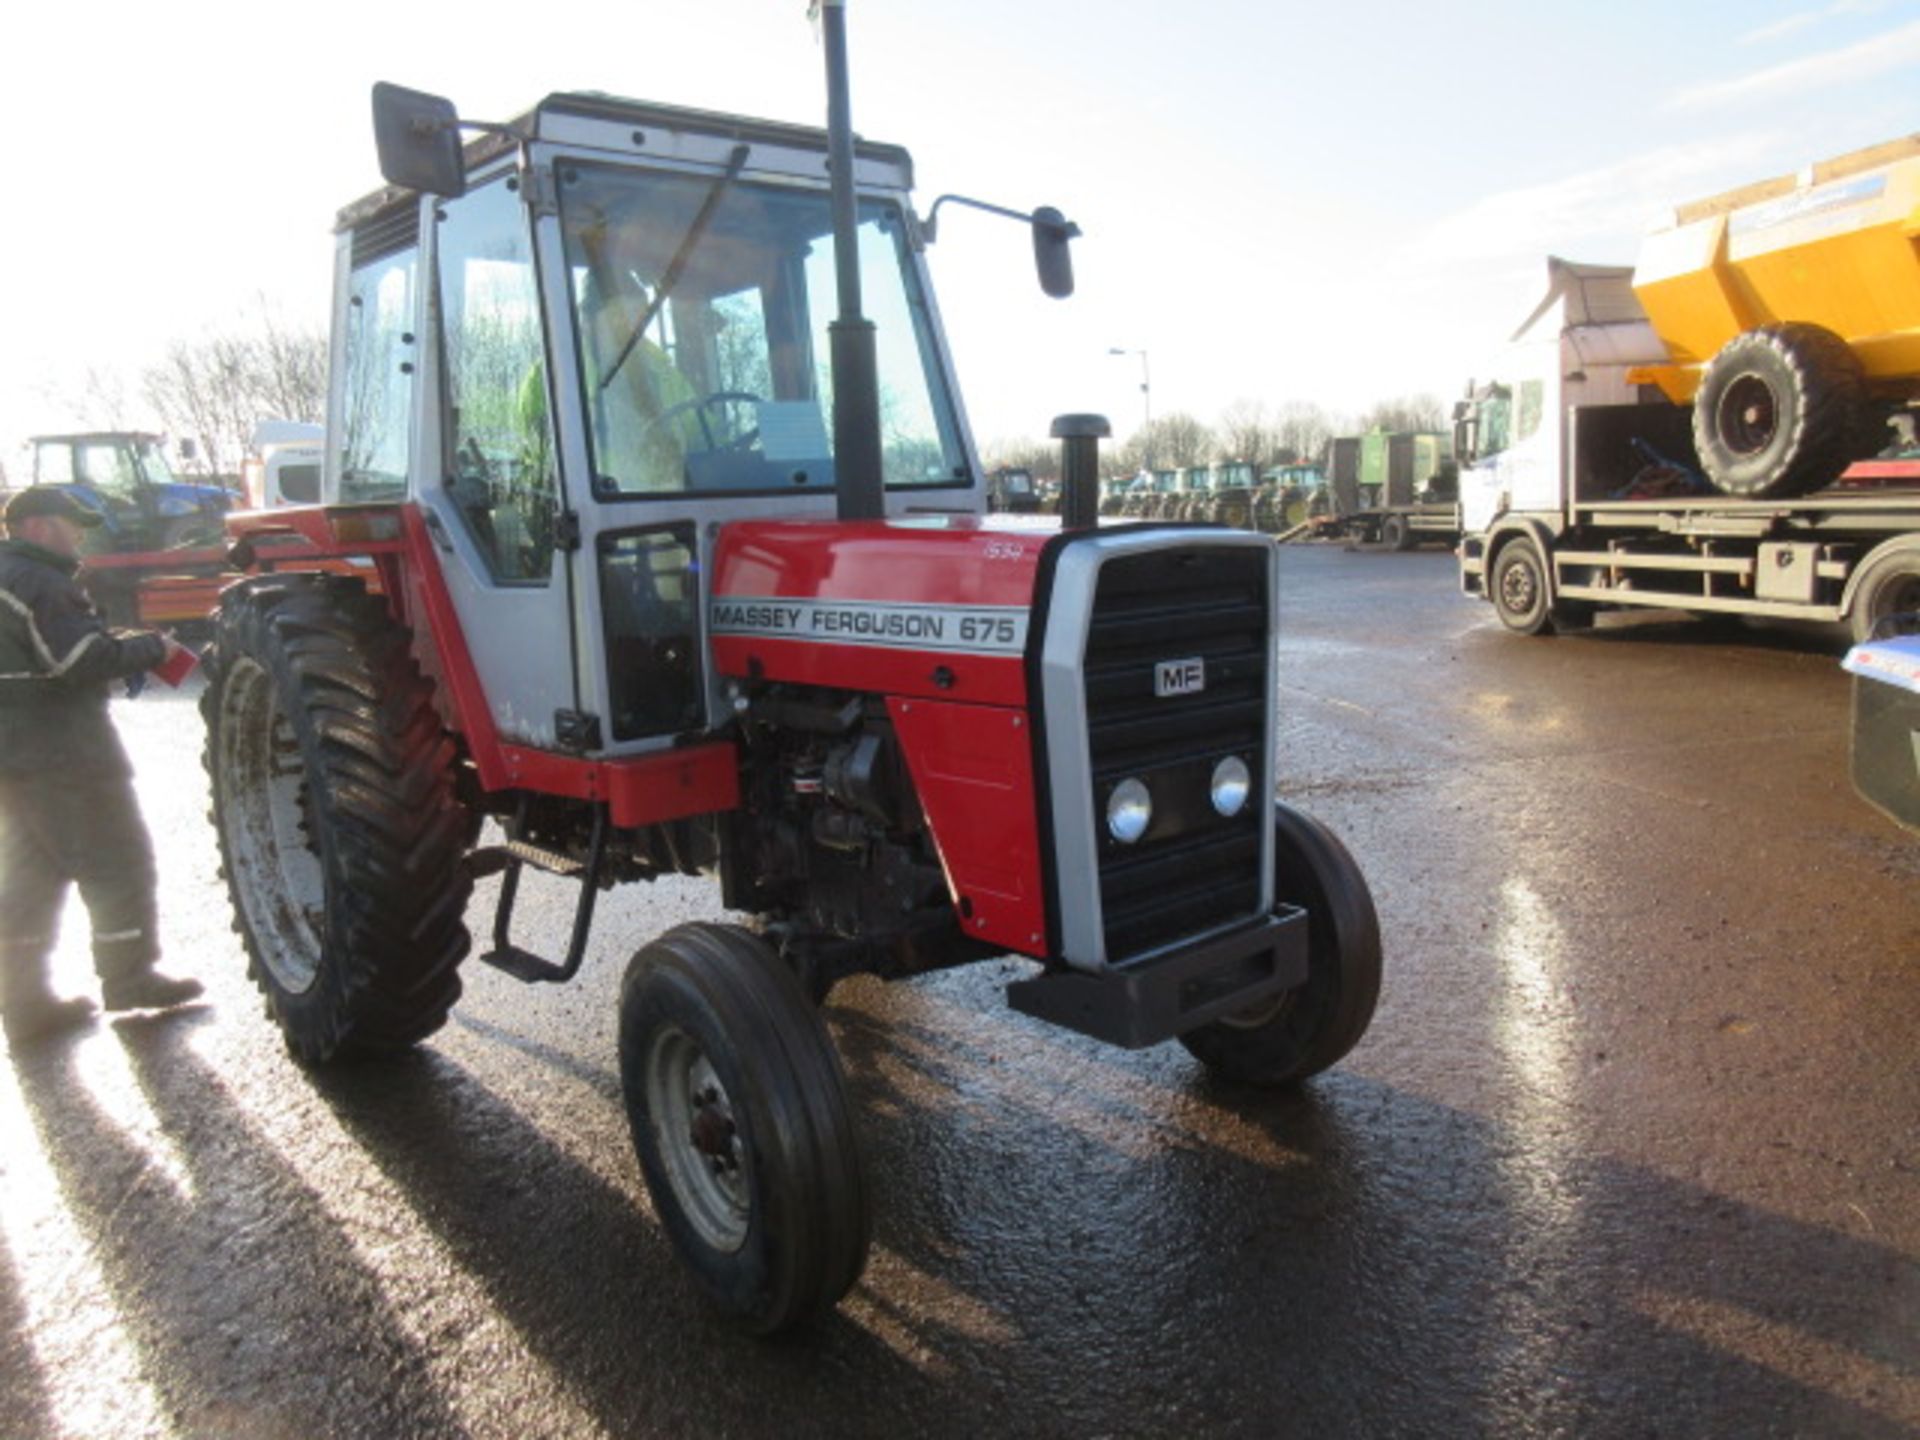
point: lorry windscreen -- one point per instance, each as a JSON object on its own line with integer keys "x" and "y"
{"x": 728, "y": 386}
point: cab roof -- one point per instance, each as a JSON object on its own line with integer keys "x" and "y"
{"x": 639, "y": 128}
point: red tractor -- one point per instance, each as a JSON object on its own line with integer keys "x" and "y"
{"x": 640, "y": 608}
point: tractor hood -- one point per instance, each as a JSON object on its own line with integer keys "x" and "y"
{"x": 936, "y": 606}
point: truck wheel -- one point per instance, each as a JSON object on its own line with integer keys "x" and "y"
{"x": 341, "y": 838}
{"x": 1396, "y": 533}
{"x": 1518, "y": 588}
{"x": 740, "y": 1118}
{"x": 1779, "y": 411}
{"x": 1889, "y": 586}
{"x": 1311, "y": 1027}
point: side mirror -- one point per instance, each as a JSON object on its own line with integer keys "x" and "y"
{"x": 418, "y": 137}
{"x": 1051, "y": 258}
{"x": 1466, "y": 434}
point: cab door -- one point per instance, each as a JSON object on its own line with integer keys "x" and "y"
{"x": 488, "y": 480}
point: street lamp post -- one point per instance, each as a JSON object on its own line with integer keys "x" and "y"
{"x": 1146, "y": 383}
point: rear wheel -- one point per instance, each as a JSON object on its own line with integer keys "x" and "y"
{"x": 1311, "y": 1027}
{"x": 1396, "y": 533}
{"x": 741, "y": 1122}
{"x": 1889, "y": 587}
{"x": 1780, "y": 411}
{"x": 341, "y": 838}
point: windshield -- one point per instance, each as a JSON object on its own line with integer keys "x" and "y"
{"x": 703, "y": 346}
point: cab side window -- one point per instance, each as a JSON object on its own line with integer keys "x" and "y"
{"x": 499, "y": 463}
{"x": 381, "y": 356}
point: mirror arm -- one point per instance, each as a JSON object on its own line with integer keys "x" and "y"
{"x": 929, "y": 226}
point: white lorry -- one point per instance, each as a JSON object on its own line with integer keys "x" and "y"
{"x": 1580, "y": 489}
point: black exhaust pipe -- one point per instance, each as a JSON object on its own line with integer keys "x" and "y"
{"x": 1080, "y": 437}
{"x": 860, "y": 491}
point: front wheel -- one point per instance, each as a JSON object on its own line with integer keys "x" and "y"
{"x": 741, "y": 1122}
{"x": 1518, "y": 588}
{"x": 1305, "y": 1030}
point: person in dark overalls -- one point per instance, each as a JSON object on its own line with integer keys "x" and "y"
{"x": 67, "y": 807}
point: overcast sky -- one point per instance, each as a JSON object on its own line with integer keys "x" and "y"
{"x": 1280, "y": 200}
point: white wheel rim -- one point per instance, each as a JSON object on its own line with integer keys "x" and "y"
{"x": 698, "y": 1140}
{"x": 275, "y": 871}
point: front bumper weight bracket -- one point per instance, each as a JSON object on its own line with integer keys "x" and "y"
{"x": 1157, "y": 998}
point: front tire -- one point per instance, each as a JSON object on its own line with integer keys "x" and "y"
{"x": 1311, "y": 1027}
{"x": 742, "y": 1126}
{"x": 1517, "y": 586}
{"x": 341, "y": 838}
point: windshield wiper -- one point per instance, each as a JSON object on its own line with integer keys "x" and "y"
{"x": 735, "y": 163}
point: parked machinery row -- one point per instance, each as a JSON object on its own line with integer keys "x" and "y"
{"x": 1231, "y": 493}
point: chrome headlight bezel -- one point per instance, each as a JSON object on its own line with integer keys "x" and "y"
{"x": 1230, "y": 786}
{"x": 1129, "y": 810}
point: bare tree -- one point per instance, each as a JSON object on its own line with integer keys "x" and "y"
{"x": 1245, "y": 433}
{"x": 1041, "y": 457}
{"x": 214, "y": 390}
{"x": 1180, "y": 440}
{"x": 1406, "y": 412}
{"x": 1302, "y": 431}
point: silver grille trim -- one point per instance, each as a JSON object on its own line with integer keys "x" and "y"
{"x": 1063, "y": 651}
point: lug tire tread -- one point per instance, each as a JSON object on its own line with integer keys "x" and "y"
{"x": 380, "y": 768}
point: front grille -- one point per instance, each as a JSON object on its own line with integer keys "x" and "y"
{"x": 1192, "y": 871}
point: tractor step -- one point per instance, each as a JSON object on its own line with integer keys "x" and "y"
{"x": 525, "y": 966}
{"x": 508, "y": 860}
{"x": 492, "y": 859}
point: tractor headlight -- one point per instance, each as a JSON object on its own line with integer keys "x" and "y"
{"x": 1231, "y": 784}
{"x": 1129, "y": 811}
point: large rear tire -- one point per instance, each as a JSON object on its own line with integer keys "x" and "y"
{"x": 1781, "y": 411}
{"x": 1311, "y": 1027}
{"x": 741, "y": 1122}
{"x": 341, "y": 838}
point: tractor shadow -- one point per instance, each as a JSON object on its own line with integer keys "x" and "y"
{"x": 228, "y": 1276}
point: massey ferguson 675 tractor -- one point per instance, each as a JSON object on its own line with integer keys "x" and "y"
{"x": 664, "y": 571}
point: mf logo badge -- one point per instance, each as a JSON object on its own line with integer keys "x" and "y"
{"x": 1179, "y": 677}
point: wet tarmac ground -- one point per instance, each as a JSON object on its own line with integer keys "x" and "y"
{"x": 1633, "y": 1147}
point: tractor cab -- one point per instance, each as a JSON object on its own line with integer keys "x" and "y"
{"x": 616, "y": 338}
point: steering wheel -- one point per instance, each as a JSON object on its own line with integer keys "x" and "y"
{"x": 739, "y": 443}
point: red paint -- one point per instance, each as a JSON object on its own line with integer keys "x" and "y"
{"x": 182, "y": 559}
{"x": 639, "y": 790}
{"x": 945, "y": 560}
{"x": 972, "y": 767}
{"x": 1872, "y": 474}
{"x": 985, "y": 679}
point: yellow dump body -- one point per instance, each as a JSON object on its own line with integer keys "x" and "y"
{"x": 1834, "y": 247}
